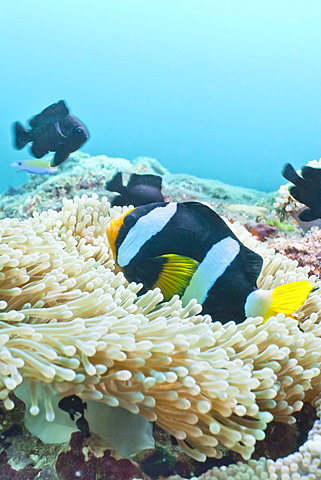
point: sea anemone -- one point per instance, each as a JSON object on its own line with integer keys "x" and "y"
{"x": 70, "y": 324}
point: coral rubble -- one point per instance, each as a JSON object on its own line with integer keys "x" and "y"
{"x": 304, "y": 249}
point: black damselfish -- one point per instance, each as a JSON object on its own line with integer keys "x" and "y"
{"x": 187, "y": 249}
{"x": 306, "y": 190}
{"x": 75, "y": 406}
{"x": 52, "y": 130}
{"x": 72, "y": 405}
{"x": 140, "y": 189}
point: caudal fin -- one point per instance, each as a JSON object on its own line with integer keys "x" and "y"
{"x": 22, "y": 136}
{"x": 285, "y": 299}
{"x": 54, "y": 113}
{"x": 291, "y": 175}
{"x": 116, "y": 184}
{"x": 289, "y": 297}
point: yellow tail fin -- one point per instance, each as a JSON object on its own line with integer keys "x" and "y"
{"x": 289, "y": 297}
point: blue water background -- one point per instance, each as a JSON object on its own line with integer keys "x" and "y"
{"x": 227, "y": 89}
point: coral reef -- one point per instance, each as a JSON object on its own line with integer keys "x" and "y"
{"x": 81, "y": 462}
{"x": 82, "y": 173}
{"x": 304, "y": 249}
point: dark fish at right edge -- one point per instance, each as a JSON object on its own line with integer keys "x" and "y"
{"x": 306, "y": 190}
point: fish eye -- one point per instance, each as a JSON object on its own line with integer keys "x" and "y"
{"x": 79, "y": 130}
{"x": 130, "y": 221}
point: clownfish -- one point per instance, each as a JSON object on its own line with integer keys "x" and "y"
{"x": 187, "y": 249}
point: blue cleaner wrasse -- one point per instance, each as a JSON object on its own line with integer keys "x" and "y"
{"x": 35, "y": 166}
{"x": 187, "y": 249}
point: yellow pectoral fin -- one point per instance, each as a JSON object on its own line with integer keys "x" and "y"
{"x": 175, "y": 274}
{"x": 289, "y": 297}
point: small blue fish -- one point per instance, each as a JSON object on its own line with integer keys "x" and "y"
{"x": 35, "y": 166}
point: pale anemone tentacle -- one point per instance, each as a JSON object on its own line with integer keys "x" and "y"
{"x": 68, "y": 321}
{"x": 301, "y": 465}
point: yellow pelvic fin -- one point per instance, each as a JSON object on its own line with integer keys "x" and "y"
{"x": 289, "y": 297}
{"x": 176, "y": 273}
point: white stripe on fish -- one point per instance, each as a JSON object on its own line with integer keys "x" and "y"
{"x": 145, "y": 227}
{"x": 216, "y": 261}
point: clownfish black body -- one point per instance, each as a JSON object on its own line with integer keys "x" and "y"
{"x": 187, "y": 249}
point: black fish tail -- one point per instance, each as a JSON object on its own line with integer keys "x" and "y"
{"x": 22, "y": 135}
{"x": 116, "y": 184}
{"x": 290, "y": 175}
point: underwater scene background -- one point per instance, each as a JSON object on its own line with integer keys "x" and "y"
{"x": 223, "y": 90}
{"x": 171, "y": 341}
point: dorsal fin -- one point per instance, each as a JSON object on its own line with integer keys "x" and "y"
{"x": 314, "y": 172}
{"x": 207, "y": 216}
{"x": 145, "y": 179}
{"x": 204, "y": 210}
{"x": 116, "y": 184}
{"x": 54, "y": 113}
